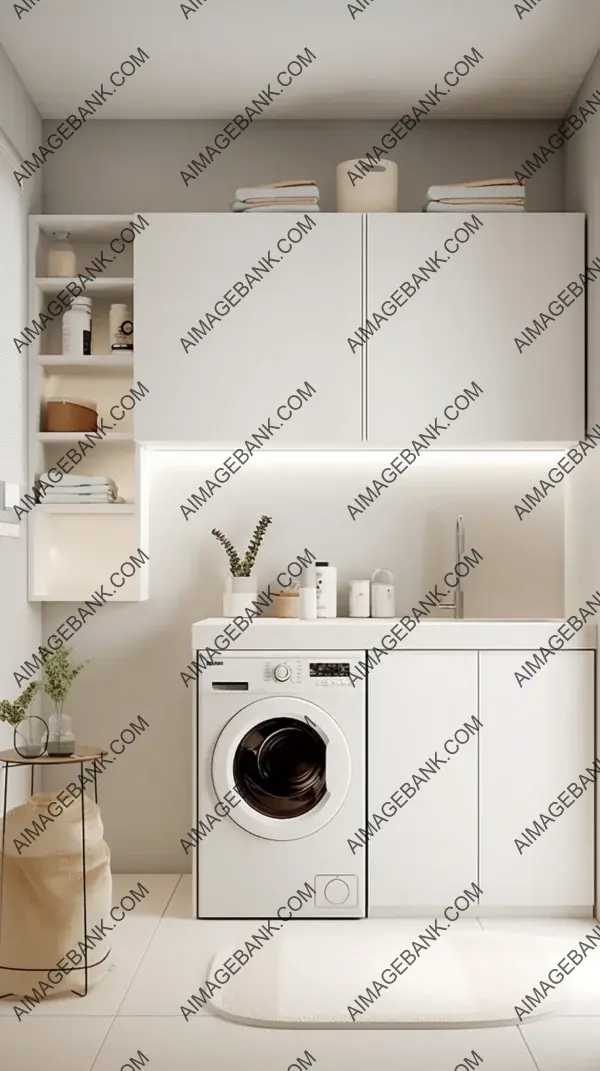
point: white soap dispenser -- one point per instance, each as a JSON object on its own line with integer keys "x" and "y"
{"x": 326, "y": 575}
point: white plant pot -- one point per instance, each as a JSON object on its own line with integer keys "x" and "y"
{"x": 240, "y": 594}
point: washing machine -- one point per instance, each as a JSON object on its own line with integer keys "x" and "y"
{"x": 281, "y": 769}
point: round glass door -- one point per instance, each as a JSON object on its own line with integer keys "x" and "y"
{"x": 285, "y": 759}
{"x": 279, "y": 768}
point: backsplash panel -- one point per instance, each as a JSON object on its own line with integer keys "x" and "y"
{"x": 139, "y": 650}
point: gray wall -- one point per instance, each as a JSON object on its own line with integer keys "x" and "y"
{"x": 127, "y": 166}
{"x": 20, "y": 622}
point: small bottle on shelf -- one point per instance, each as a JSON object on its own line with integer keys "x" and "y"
{"x": 120, "y": 328}
{"x": 77, "y": 328}
{"x": 61, "y": 256}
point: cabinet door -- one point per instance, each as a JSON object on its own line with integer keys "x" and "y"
{"x": 292, "y": 310}
{"x": 426, "y": 853}
{"x": 460, "y": 326}
{"x": 535, "y": 741}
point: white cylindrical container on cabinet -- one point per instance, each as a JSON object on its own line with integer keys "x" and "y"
{"x": 383, "y": 594}
{"x": 361, "y": 188}
{"x": 308, "y": 603}
{"x": 326, "y": 589}
{"x": 240, "y": 594}
{"x": 77, "y": 328}
{"x": 359, "y": 598}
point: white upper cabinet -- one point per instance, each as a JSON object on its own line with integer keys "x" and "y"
{"x": 466, "y": 298}
{"x": 265, "y": 303}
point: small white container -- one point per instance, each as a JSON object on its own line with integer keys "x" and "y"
{"x": 308, "y": 603}
{"x": 77, "y": 328}
{"x": 383, "y": 594}
{"x": 326, "y": 575}
{"x": 240, "y": 594}
{"x": 120, "y": 326}
{"x": 359, "y": 598}
{"x": 62, "y": 263}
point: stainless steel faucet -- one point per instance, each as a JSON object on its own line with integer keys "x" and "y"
{"x": 458, "y": 605}
{"x": 459, "y": 597}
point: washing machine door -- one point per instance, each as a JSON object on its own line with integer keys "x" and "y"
{"x": 289, "y": 763}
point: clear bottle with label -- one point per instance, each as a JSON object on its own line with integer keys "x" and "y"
{"x": 62, "y": 262}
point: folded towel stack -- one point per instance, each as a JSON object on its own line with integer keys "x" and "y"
{"x": 73, "y": 489}
{"x": 485, "y": 195}
{"x": 297, "y": 195}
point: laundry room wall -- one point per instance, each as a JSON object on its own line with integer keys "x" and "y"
{"x": 138, "y": 651}
{"x": 20, "y": 624}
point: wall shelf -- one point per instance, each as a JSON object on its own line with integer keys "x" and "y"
{"x": 73, "y": 548}
{"x": 101, "y": 364}
{"x": 85, "y": 508}
{"x": 103, "y": 286}
{"x": 114, "y": 437}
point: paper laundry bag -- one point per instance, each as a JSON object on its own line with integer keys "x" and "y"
{"x": 42, "y": 900}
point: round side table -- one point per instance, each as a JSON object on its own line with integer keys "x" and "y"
{"x": 10, "y": 759}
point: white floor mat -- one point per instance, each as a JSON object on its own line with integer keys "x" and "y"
{"x": 311, "y": 974}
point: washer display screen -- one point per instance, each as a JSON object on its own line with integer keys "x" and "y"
{"x": 329, "y": 669}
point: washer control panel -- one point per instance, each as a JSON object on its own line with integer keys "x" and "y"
{"x": 321, "y": 674}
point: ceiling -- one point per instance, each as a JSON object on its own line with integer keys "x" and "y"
{"x": 376, "y": 64}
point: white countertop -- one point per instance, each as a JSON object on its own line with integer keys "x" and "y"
{"x": 359, "y": 634}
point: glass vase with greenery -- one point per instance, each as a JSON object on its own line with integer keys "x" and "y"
{"x": 16, "y": 714}
{"x": 58, "y": 676}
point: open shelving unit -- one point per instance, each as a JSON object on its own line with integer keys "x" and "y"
{"x": 74, "y": 547}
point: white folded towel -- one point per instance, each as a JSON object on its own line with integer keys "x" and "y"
{"x": 278, "y": 190}
{"x": 283, "y": 207}
{"x": 77, "y": 481}
{"x": 474, "y": 206}
{"x": 82, "y": 492}
{"x": 67, "y": 499}
{"x": 474, "y": 190}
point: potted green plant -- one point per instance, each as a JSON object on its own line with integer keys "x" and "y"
{"x": 58, "y": 676}
{"x": 242, "y": 583}
{"x": 16, "y": 713}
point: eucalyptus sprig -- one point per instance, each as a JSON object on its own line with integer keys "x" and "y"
{"x": 58, "y": 676}
{"x": 238, "y": 566}
{"x": 16, "y": 712}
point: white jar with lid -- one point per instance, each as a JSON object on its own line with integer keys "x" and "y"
{"x": 77, "y": 328}
{"x": 61, "y": 256}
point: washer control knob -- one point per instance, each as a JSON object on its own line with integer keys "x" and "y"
{"x": 282, "y": 673}
{"x": 336, "y": 891}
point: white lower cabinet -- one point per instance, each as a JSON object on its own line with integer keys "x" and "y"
{"x": 534, "y": 742}
{"x": 425, "y": 854}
